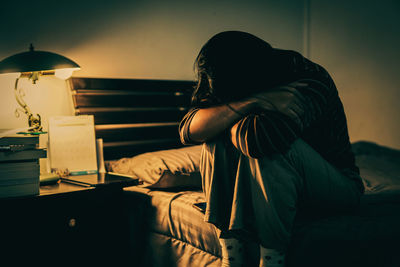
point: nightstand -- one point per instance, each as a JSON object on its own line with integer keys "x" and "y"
{"x": 66, "y": 223}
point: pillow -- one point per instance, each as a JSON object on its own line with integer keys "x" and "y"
{"x": 172, "y": 168}
{"x": 379, "y": 167}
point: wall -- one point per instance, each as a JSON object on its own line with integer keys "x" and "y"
{"x": 355, "y": 40}
{"x": 132, "y": 39}
{"x": 48, "y": 97}
{"x": 358, "y": 42}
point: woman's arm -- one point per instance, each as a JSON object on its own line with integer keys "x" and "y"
{"x": 204, "y": 124}
{"x": 283, "y": 114}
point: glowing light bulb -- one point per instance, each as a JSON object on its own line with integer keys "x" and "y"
{"x": 65, "y": 73}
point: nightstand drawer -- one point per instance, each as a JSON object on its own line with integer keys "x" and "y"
{"x": 84, "y": 222}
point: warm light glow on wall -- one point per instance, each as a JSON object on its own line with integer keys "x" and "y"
{"x": 8, "y": 76}
{"x": 50, "y": 96}
{"x": 159, "y": 40}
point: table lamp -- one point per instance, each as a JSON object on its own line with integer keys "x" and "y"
{"x": 32, "y": 65}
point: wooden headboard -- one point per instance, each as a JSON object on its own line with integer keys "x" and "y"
{"x": 133, "y": 116}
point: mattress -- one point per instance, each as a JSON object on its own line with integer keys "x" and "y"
{"x": 178, "y": 234}
{"x": 368, "y": 238}
{"x": 371, "y": 237}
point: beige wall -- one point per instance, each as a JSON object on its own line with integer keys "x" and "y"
{"x": 140, "y": 39}
{"x": 157, "y": 39}
{"x": 358, "y": 42}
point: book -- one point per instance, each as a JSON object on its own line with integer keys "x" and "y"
{"x": 19, "y": 170}
{"x": 30, "y": 180}
{"x": 29, "y": 154}
{"x": 18, "y": 139}
{"x": 19, "y": 178}
{"x": 18, "y": 190}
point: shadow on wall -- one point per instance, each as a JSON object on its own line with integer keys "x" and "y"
{"x": 357, "y": 41}
{"x": 61, "y": 24}
{"x": 143, "y": 39}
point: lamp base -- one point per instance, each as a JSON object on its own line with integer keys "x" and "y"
{"x": 35, "y": 123}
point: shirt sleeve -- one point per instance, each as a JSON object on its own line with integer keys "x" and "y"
{"x": 184, "y": 127}
{"x": 288, "y": 111}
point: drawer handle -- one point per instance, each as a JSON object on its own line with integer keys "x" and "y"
{"x": 72, "y": 222}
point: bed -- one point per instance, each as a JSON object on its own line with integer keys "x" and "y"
{"x": 138, "y": 121}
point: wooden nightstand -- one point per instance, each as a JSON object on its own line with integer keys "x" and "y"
{"x": 66, "y": 223}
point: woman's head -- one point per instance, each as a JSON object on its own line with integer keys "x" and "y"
{"x": 232, "y": 65}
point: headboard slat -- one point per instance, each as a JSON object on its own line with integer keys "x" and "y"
{"x": 127, "y": 100}
{"x": 129, "y": 115}
{"x": 113, "y": 134}
{"x": 122, "y": 149}
{"x": 131, "y": 84}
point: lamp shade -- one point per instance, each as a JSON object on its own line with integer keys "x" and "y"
{"x": 35, "y": 61}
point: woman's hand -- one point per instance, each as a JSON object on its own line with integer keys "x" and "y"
{"x": 261, "y": 101}
{"x": 284, "y": 99}
{"x": 282, "y": 107}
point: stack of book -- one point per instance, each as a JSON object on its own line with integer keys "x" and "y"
{"x": 19, "y": 165}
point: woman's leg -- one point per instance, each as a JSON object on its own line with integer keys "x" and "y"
{"x": 300, "y": 177}
{"x": 271, "y": 257}
{"x": 232, "y": 252}
{"x": 261, "y": 196}
{"x": 218, "y": 162}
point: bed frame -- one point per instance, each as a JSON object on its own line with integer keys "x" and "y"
{"x": 133, "y": 116}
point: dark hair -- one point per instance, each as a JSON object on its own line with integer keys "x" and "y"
{"x": 232, "y": 65}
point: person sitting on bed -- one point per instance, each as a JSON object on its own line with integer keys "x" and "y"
{"x": 275, "y": 143}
